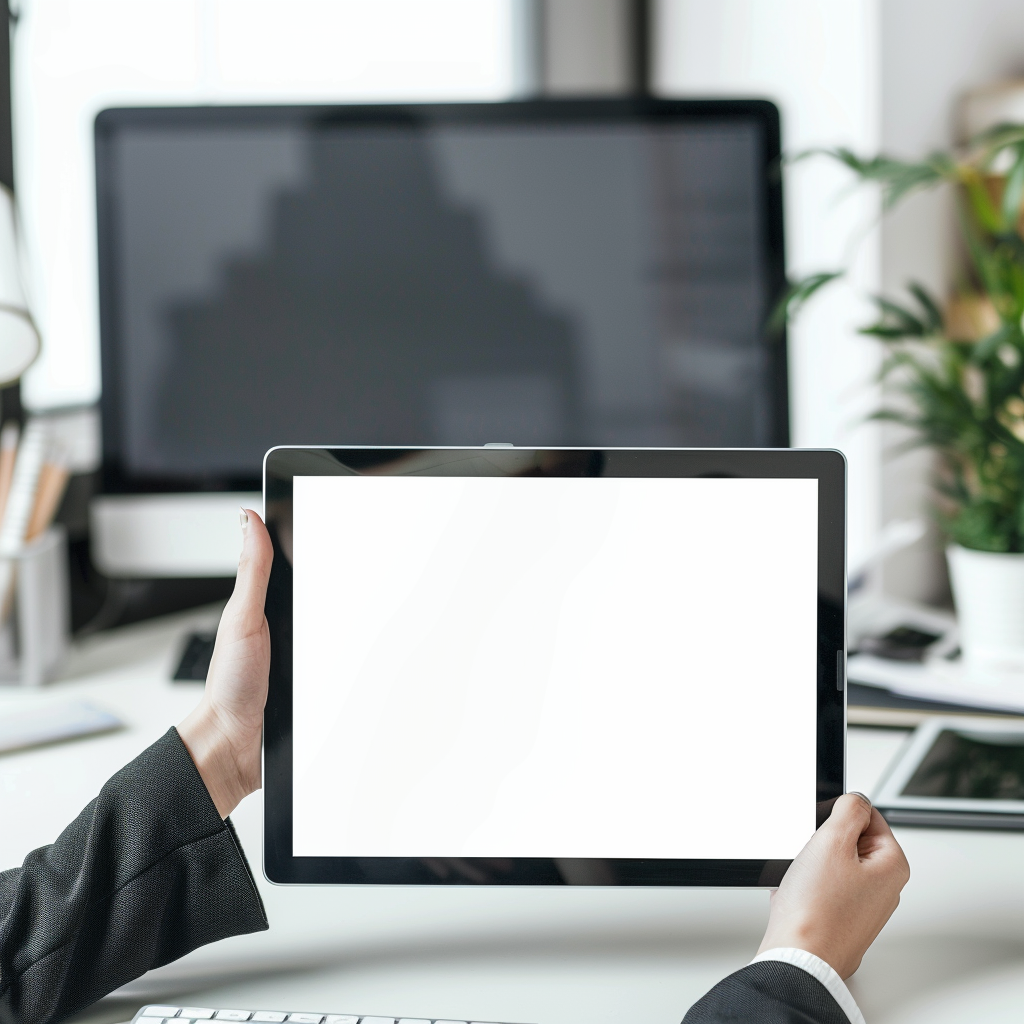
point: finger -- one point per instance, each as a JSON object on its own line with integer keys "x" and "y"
{"x": 877, "y": 836}
{"x": 851, "y": 816}
{"x": 244, "y": 612}
{"x": 877, "y": 843}
{"x": 878, "y": 826}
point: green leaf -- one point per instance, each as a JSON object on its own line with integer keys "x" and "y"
{"x": 898, "y": 178}
{"x": 883, "y": 333}
{"x": 995, "y": 139}
{"x": 1013, "y": 192}
{"x": 981, "y": 525}
{"x": 933, "y": 315}
{"x": 981, "y": 202}
{"x": 982, "y": 257}
{"x": 795, "y": 297}
{"x": 987, "y": 347}
{"x": 895, "y": 323}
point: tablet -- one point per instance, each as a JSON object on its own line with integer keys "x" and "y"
{"x": 958, "y": 772}
{"x": 509, "y": 666}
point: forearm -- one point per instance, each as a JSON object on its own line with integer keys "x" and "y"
{"x": 146, "y": 873}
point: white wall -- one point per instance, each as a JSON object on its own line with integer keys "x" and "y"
{"x": 819, "y": 61}
{"x": 932, "y": 52}
{"x": 72, "y": 58}
{"x": 586, "y": 47}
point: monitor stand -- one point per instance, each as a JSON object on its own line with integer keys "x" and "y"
{"x": 168, "y": 535}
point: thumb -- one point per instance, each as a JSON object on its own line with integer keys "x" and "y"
{"x": 851, "y": 816}
{"x": 244, "y": 612}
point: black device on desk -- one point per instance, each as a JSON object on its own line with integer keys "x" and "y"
{"x": 552, "y": 666}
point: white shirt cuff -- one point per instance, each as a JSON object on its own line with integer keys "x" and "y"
{"x": 825, "y": 973}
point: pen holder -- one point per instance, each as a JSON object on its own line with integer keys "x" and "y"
{"x": 36, "y": 631}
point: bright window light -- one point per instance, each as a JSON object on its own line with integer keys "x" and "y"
{"x": 72, "y": 58}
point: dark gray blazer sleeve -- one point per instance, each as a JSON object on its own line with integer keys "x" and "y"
{"x": 146, "y": 873}
{"x": 768, "y": 992}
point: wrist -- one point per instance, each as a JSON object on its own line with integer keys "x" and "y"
{"x": 227, "y": 761}
{"x": 810, "y": 940}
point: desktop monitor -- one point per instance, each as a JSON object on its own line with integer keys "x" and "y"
{"x": 539, "y": 273}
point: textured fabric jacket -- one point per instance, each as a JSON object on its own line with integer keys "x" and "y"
{"x": 769, "y": 992}
{"x": 146, "y": 873}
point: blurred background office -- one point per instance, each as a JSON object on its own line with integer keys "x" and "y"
{"x": 841, "y": 75}
{"x": 901, "y": 76}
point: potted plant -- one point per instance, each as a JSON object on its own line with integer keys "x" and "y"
{"x": 956, "y": 379}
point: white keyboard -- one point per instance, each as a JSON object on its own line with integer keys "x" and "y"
{"x": 201, "y": 1014}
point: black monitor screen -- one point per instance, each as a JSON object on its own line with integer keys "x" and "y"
{"x": 537, "y": 273}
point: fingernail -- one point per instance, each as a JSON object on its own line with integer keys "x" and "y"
{"x": 854, "y": 792}
{"x": 243, "y": 517}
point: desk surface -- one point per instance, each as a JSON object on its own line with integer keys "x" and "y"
{"x": 558, "y": 955}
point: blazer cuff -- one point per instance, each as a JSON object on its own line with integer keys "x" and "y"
{"x": 823, "y": 972}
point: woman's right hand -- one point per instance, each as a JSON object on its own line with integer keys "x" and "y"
{"x": 841, "y": 889}
{"x": 223, "y": 734}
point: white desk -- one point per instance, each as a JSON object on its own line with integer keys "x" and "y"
{"x": 556, "y": 956}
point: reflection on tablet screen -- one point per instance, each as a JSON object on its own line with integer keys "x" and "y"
{"x": 971, "y": 765}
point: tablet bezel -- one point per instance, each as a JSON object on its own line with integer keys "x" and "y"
{"x": 282, "y": 464}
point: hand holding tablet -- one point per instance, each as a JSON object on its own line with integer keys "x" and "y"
{"x": 224, "y": 732}
{"x": 841, "y": 889}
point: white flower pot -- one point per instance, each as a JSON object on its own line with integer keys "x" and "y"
{"x": 988, "y": 589}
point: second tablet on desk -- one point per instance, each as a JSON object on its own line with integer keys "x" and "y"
{"x": 958, "y": 773}
{"x": 526, "y": 666}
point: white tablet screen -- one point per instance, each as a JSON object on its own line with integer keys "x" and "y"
{"x": 554, "y": 667}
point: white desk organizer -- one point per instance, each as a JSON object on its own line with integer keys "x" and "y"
{"x": 35, "y": 637}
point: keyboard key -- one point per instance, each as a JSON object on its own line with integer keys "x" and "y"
{"x": 161, "y": 1011}
{"x": 451, "y": 1022}
{"x": 412, "y": 1020}
{"x": 197, "y": 1013}
{"x": 378, "y": 1020}
{"x": 232, "y": 1015}
{"x": 271, "y": 1016}
{"x": 305, "y": 1018}
{"x": 150, "y": 1020}
{"x": 343, "y": 1018}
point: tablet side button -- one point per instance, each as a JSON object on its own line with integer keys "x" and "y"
{"x": 840, "y": 672}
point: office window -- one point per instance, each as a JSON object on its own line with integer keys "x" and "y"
{"x": 72, "y": 58}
